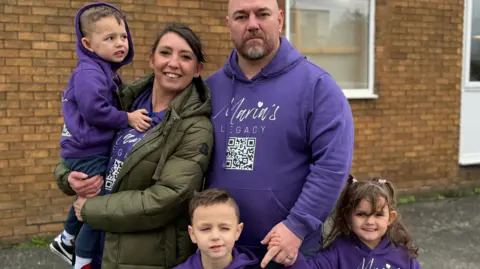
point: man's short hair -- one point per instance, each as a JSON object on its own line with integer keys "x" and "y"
{"x": 91, "y": 15}
{"x": 211, "y": 197}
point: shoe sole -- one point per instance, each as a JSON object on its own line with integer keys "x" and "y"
{"x": 59, "y": 254}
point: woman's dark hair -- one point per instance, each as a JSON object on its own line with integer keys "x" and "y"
{"x": 186, "y": 33}
{"x": 370, "y": 190}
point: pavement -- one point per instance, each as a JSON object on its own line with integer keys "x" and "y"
{"x": 446, "y": 231}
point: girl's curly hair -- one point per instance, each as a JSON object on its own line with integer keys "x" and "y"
{"x": 370, "y": 190}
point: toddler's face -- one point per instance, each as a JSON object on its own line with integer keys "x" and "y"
{"x": 108, "y": 39}
{"x": 215, "y": 229}
{"x": 371, "y": 229}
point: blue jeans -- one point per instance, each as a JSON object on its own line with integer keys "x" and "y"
{"x": 87, "y": 237}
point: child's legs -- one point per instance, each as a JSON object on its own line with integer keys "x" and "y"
{"x": 92, "y": 166}
{"x": 86, "y": 243}
{"x": 95, "y": 165}
{"x": 72, "y": 225}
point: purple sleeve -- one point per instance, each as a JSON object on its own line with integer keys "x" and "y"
{"x": 91, "y": 94}
{"x": 330, "y": 138}
{"x": 414, "y": 264}
{"x": 326, "y": 259}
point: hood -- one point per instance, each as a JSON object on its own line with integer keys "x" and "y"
{"x": 285, "y": 59}
{"x": 242, "y": 258}
{"x": 193, "y": 101}
{"x": 83, "y": 53}
{"x": 383, "y": 248}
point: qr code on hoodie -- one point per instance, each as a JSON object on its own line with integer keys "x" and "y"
{"x": 113, "y": 174}
{"x": 241, "y": 153}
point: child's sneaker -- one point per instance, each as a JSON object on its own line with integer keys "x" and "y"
{"x": 63, "y": 251}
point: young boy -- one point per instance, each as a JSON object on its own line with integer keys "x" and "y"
{"x": 90, "y": 106}
{"x": 215, "y": 228}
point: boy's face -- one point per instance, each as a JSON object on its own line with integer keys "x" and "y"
{"x": 108, "y": 39}
{"x": 215, "y": 229}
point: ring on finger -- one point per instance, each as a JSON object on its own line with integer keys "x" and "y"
{"x": 289, "y": 258}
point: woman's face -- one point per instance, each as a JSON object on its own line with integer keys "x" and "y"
{"x": 174, "y": 63}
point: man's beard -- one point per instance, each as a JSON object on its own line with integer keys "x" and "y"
{"x": 253, "y": 52}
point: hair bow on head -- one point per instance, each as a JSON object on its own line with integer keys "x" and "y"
{"x": 382, "y": 181}
{"x": 354, "y": 180}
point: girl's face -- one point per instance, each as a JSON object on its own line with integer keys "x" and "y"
{"x": 174, "y": 63}
{"x": 371, "y": 229}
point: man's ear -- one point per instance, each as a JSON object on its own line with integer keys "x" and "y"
{"x": 86, "y": 44}
{"x": 281, "y": 19}
{"x": 192, "y": 236}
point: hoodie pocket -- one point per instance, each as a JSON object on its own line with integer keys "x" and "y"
{"x": 260, "y": 211}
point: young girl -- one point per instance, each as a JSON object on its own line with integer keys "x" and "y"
{"x": 366, "y": 233}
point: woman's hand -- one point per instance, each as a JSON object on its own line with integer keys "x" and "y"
{"x": 85, "y": 187}
{"x": 78, "y": 205}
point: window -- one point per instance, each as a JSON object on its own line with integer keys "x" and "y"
{"x": 472, "y": 46}
{"x": 338, "y": 35}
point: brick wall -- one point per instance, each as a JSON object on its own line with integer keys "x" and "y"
{"x": 410, "y": 134}
{"x": 37, "y": 55}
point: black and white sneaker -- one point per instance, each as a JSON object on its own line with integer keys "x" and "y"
{"x": 63, "y": 251}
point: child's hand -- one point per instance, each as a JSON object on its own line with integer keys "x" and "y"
{"x": 138, "y": 120}
{"x": 275, "y": 241}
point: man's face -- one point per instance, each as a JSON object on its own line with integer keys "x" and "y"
{"x": 255, "y": 27}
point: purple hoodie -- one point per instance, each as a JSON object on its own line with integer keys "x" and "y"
{"x": 351, "y": 253}
{"x": 283, "y": 145}
{"x": 89, "y": 103}
{"x": 242, "y": 258}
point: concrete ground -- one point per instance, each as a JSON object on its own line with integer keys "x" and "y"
{"x": 446, "y": 231}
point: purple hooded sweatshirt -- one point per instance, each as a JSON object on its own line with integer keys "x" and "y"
{"x": 89, "y": 103}
{"x": 283, "y": 145}
{"x": 351, "y": 253}
{"x": 242, "y": 258}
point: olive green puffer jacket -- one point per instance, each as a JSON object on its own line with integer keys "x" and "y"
{"x": 146, "y": 216}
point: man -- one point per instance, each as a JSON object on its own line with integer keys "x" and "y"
{"x": 283, "y": 135}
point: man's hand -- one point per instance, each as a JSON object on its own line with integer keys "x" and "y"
{"x": 139, "y": 120}
{"x": 85, "y": 187}
{"x": 283, "y": 246}
{"x": 78, "y": 205}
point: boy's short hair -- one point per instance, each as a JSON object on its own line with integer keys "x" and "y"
{"x": 94, "y": 14}
{"x": 210, "y": 197}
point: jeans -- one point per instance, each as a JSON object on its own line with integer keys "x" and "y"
{"x": 87, "y": 237}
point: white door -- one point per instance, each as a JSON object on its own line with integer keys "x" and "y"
{"x": 470, "y": 101}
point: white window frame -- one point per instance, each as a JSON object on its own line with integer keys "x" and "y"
{"x": 468, "y": 86}
{"x": 467, "y": 159}
{"x": 368, "y": 93}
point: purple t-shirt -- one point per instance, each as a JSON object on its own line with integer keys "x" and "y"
{"x": 121, "y": 147}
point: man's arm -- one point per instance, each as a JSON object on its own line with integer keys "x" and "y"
{"x": 91, "y": 94}
{"x": 330, "y": 137}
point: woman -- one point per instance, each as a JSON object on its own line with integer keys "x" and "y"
{"x": 152, "y": 175}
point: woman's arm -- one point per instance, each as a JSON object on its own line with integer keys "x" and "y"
{"x": 160, "y": 204}
{"x": 61, "y": 174}
{"x": 72, "y": 182}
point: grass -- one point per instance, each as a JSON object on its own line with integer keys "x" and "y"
{"x": 35, "y": 242}
{"x": 438, "y": 196}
